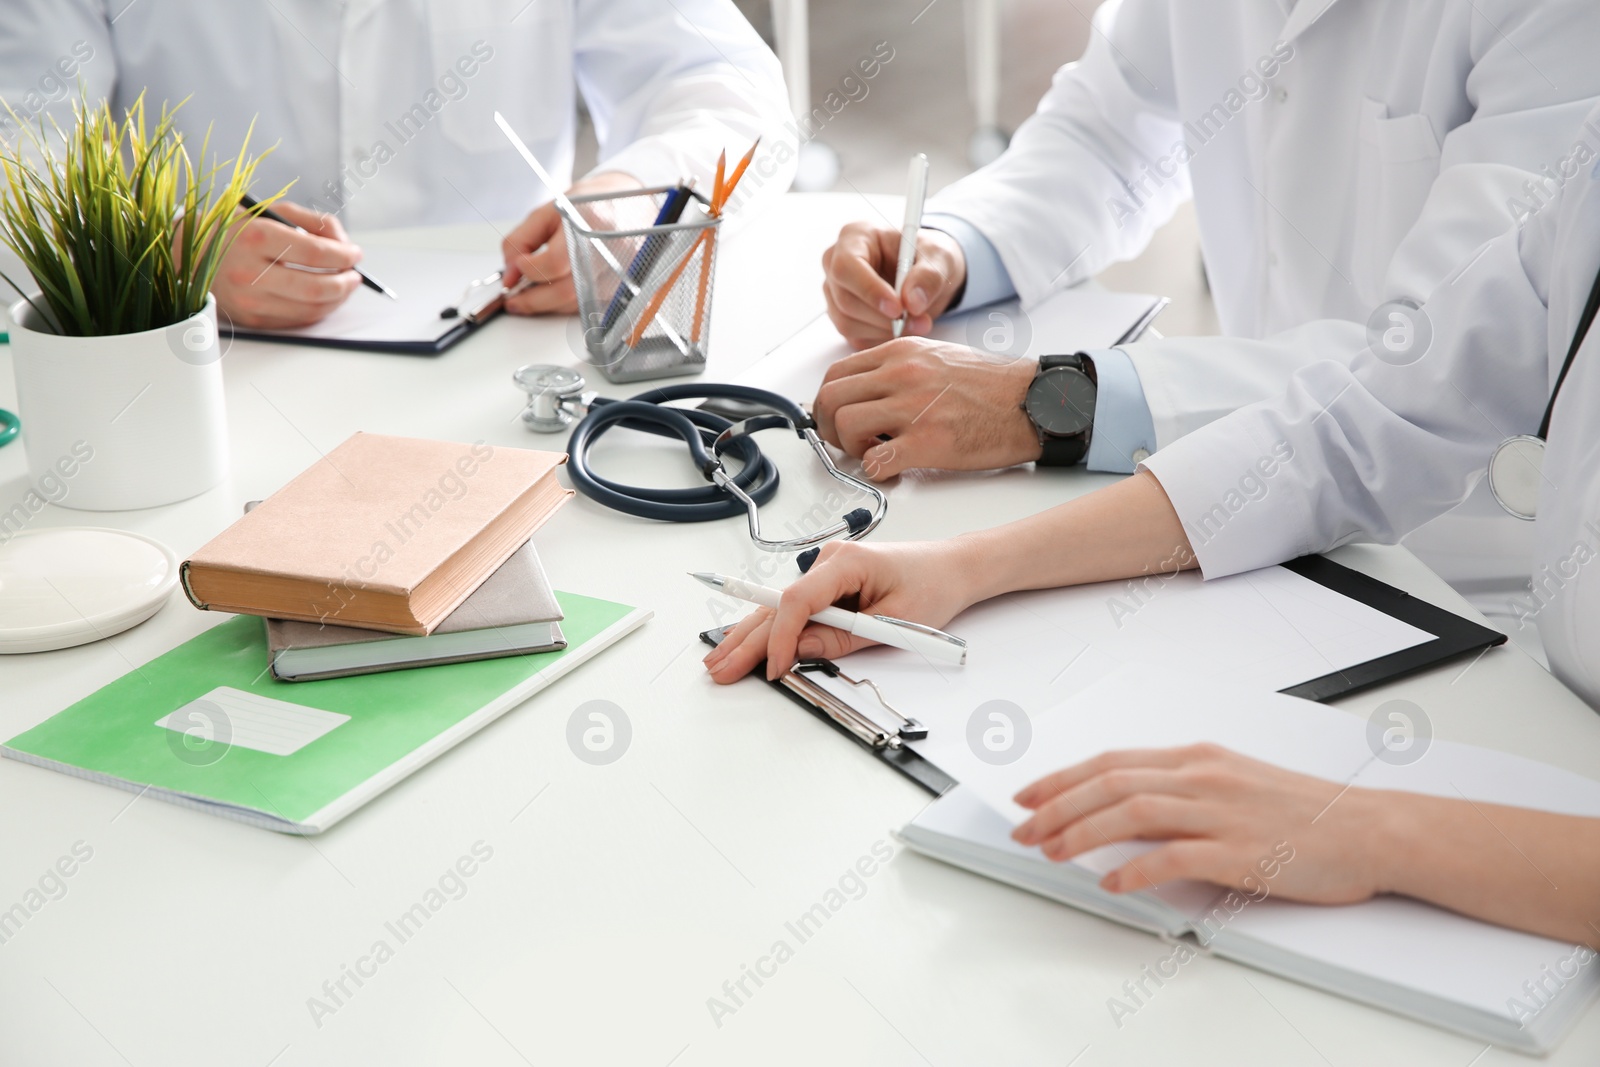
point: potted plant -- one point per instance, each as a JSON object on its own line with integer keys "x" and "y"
{"x": 116, "y": 354}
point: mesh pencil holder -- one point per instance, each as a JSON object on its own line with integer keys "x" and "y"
{"x": 644, "y": 291}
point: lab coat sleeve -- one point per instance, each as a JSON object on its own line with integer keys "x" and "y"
{"x": 47, "y": 47}
{"x": 1044, "y": 204}
{"x": 1370, "y": 449}
{"x": 1520, "y": 119}
{"x": 671, "y": 85}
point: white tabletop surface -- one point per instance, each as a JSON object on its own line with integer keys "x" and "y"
{"x": 619, "y": 898}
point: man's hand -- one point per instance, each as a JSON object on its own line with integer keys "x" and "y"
{"x": 941, "y": 404}
{"x": 259, "y": 283}
{"x": 537, "y": 250}
{"x": 859, "y": 283}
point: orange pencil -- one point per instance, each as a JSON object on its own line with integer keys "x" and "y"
{"x": 661, "y": 292}
{"x": 724, "y": 193}
{"x": 720, "y": 193}
{"x": 705, "y": 283}
{"x": 719, "y": 200}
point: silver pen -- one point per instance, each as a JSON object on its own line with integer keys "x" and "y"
{"x": 916, "y": 196}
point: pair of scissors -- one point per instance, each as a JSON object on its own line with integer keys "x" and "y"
{"x": 10, "y": 426}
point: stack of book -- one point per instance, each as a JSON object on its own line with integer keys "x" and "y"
{"x": 392, "y": 553}
{"x": 388, "y": 553}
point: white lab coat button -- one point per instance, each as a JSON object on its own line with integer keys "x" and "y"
{"x": 1282, "y": 94}
{"x": 1272, "y": 259}
{"x": 1141, "y": 454}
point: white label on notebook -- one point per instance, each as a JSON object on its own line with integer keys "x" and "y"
{"x": 233, "y": 717}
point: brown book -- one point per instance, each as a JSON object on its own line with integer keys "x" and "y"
{"x": 383, "y": 533}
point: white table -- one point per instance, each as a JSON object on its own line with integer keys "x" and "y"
{"x": 620, "y": 898}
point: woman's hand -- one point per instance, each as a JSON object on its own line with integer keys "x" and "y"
{"x": 921, "y": 581}
{"x": 1225, "y": 818}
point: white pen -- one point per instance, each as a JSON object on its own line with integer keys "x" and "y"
{"x": 911, "y": 636}
{"x": 916, "y": 194}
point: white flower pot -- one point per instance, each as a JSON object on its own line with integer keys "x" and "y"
{"x": 128, "y": 421}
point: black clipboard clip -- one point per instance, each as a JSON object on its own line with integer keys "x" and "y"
{"x": 887, "y": 745}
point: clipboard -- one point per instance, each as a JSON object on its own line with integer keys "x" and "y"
{"x": 886, "y": 746}
{"x": 443, "y": 296}
{"x": 1453, "y": 638}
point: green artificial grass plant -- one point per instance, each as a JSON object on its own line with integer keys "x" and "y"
{"x": 117, "y": 226}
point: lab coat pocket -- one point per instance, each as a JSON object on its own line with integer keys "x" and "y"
{"x": 1397, "y": 164}
{"x": 511, "y": 56}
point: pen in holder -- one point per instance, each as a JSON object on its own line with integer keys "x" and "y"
{"x": 643, "y": 285}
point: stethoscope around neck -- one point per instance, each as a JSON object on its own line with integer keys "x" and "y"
{"x": 558, "y": 398}
{"x": 1516, "y": 467}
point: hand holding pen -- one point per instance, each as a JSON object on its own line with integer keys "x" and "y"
{"x": 263, "y": 283}
{"x": 877, "y": 276}
{"x": 922, "y": 581}
{"x": 327, "y": 222}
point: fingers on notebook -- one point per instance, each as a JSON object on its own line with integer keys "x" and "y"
{"x": 1052, "y": 786}
{"x": 1197, "y": 859}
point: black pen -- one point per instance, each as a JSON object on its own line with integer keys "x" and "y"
{"x": 248, "y": 202}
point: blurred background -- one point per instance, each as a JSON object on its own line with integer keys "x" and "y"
{"x": 925, "y": 100}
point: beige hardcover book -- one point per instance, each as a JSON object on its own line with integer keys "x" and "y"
{"x": 383, "y": 533}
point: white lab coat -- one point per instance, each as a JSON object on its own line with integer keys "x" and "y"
{"x": 1371, "y": 449}
{"x": 1343, "y": 151}
{"x": 382, "y": 109}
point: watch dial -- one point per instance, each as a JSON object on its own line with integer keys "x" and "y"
{"x": 1061, "y": 401}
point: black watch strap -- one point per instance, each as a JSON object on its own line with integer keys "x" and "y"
{"x": 1065, "y": 451}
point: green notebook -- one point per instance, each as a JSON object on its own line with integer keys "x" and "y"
{"x": 206, "y": 726}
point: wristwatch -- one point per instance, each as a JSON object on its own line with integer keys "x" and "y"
{"x": 1060, "y": 404}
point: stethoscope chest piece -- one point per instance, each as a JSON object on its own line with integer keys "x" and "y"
{"x": 1515, "y": 471}
{"x": 555, "y": 396}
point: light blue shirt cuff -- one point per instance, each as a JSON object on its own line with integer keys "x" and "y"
{"x": 1124, "y": 433}
{"x": 987, "y": 277}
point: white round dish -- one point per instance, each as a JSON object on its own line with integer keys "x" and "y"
{"x": 76, "y": 584}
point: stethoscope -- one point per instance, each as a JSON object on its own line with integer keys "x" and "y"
{"x": 1517, "y": 465}
{"x": 558, "y": 397}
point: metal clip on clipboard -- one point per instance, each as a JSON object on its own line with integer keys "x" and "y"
{"x": 910, "y": 729}
{"x": 885, "y": 744}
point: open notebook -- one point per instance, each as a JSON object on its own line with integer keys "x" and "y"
{"x": 205, "y": 726}
{"x": 426, "y": 282}
{"x": 1392, "y": 952}
{"x": 1069, "y": 321}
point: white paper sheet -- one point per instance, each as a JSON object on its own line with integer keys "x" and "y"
{"x": 1267, "y": 630}
{"x": 1070, "y": 321}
